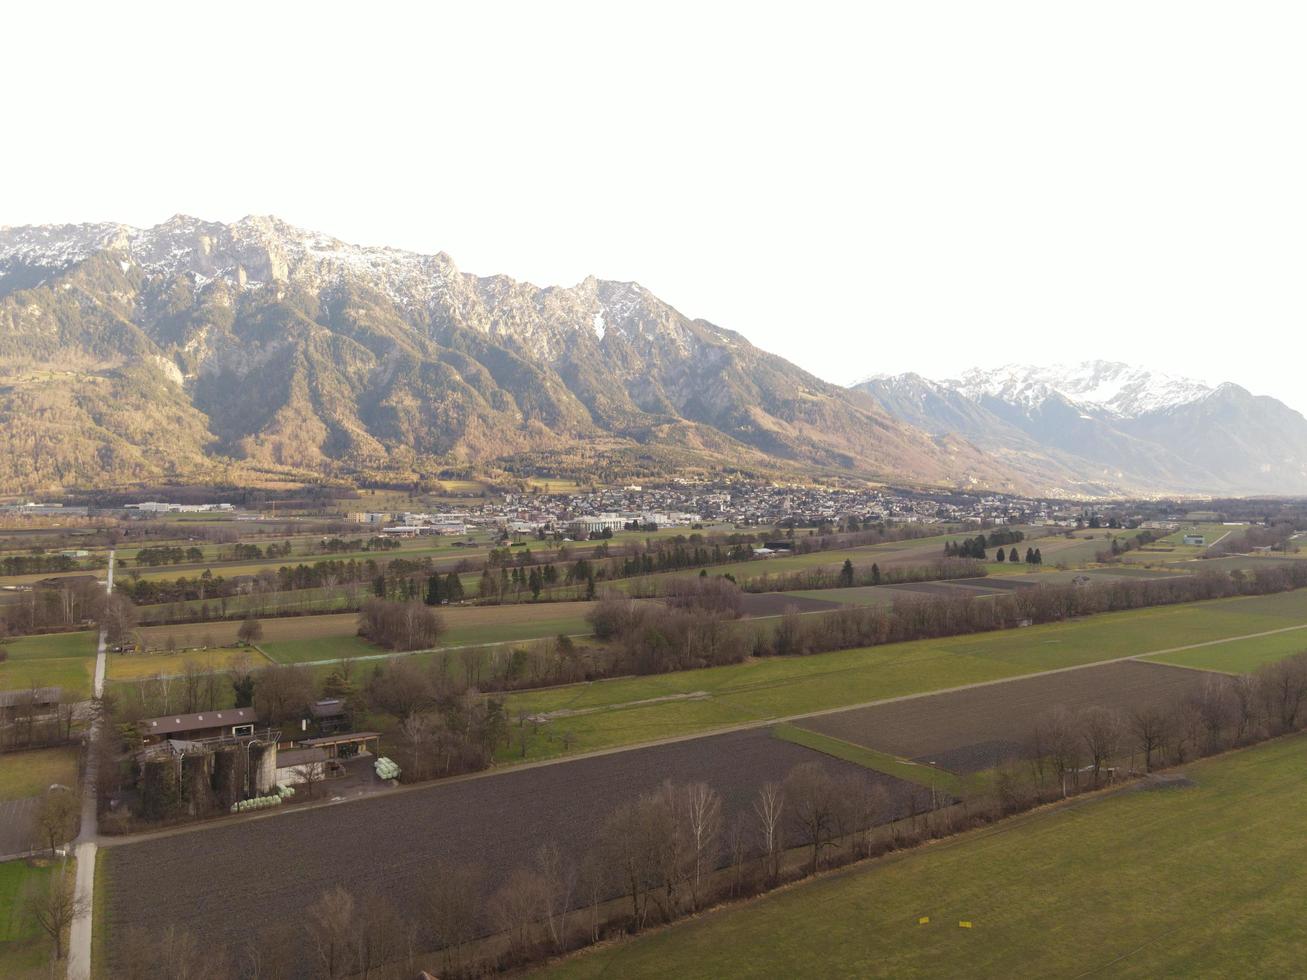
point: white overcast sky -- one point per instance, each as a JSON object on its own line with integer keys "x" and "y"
{"x": 860, "y": 188}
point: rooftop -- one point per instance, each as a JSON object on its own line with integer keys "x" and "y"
{"x": 198, "y": 720}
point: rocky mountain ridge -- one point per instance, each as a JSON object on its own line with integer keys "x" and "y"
{"x": 194, "y": 349}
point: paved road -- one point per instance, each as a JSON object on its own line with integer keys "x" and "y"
{"x": 79, "y": 943}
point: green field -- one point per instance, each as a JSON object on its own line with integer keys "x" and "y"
{"x": 1241, "y": 656}
{"x": 319, "y": 648}
{"x": 859, "y": 755}
{"x": 51, "y": 646}
{"x": 608, "y": 713}
{"x": 32, "y": 772}
{"x": 64, "y": 660}
{"x": 24, "y": 949}
{"x": 124, "y": 667}
{"x": 1204, "y": 881}
{"x": 464, "y": 626}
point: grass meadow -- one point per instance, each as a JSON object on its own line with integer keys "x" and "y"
{"x": 64, "y": 660}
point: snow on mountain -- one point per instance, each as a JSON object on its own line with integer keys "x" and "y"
{"x": 258, "y": 251}
{"x": 1100, "y": 386}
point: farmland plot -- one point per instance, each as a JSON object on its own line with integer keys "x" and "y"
{"x": 976, "y": 729}
{"x": 226, "y": 883}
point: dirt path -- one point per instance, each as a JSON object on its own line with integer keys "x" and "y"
{"x": 79, "y": 940}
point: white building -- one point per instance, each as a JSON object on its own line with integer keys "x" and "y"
{"x": 597, "y": 524}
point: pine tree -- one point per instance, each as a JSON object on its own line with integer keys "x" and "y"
{"x": 1000, "y": 555}
{"x": 433, "y": 596}
{"x": 846, "y": 573}
{"x": 453, "y": 587}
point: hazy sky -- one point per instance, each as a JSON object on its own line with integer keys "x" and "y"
{"x": 861, "y": 188}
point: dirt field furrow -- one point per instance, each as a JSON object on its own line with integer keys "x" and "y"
{"x": 975, "y": 729}
{"x": 227, "y": 883}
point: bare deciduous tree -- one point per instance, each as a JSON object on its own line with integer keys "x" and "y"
{"x": 52, "y": 905}
{"x": 812, "y": 797}
{"x": 330, "y": 923}
{"x": 769, "y": 808}
{"x": 1101, "y": 730}
{"x": 702, "y": 810}
{"x": 513, "y": 909}
{"x": 56, "y": 817}
{"x": 453, "y": 903}
{"x": 1148, "y": 728}
{"x": 558, "y": 880}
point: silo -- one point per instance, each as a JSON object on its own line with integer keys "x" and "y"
{"x": 160, "y": 789}
{"x": 263, "y": 767}
{"x": 229, "y": 774}
{"x": 197, "y": 781}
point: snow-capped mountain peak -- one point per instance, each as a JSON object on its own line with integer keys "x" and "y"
{"x": 1104, "y": 386}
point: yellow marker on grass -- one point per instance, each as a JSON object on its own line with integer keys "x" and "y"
{"x": 924, "y": 920}
{"x": 964, "y": 924}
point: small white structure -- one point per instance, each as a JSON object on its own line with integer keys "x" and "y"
{"x": 1199, "y": 540}
{"x": 293, "y": 765}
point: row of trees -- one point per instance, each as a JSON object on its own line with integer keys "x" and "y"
{"x": 1067, "y": 748}
{"x": 975, "y": 548}
{"x": 155, "y": 555}
{"x": 929, "y": 617}
{"x": 36, "y": 564}
{"x": 859, "y": 575}
{"x": 1121, "y": 545}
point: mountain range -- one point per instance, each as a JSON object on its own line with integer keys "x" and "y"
{"x": 259, "y": 352}
{"x": 197, "y": 350}
{"x": 1108, "y": 427}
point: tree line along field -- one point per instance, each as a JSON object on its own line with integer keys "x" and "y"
{"x": 624, "y": 711}
{"x": 1196, "y": 881}
{"x": 494, "y": 823}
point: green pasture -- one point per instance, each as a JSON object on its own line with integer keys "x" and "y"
{"x": 24, "y": 950}
{"x": 33, "y": 771}
{"x": 64, "y": 660}
{"x": 1239, "y": 656}
{"x": 339, "y": 647}
{"x": 859, "y": 755}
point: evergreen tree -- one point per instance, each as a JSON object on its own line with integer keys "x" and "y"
{"x": 846, "y": 573}
{"x": 875, "y": 574}
{"x": 453, "y": 587}
{"x": 1013, "y": 556}
{"x": 434, "y": 595}
{"x": 1000, "y": 555}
